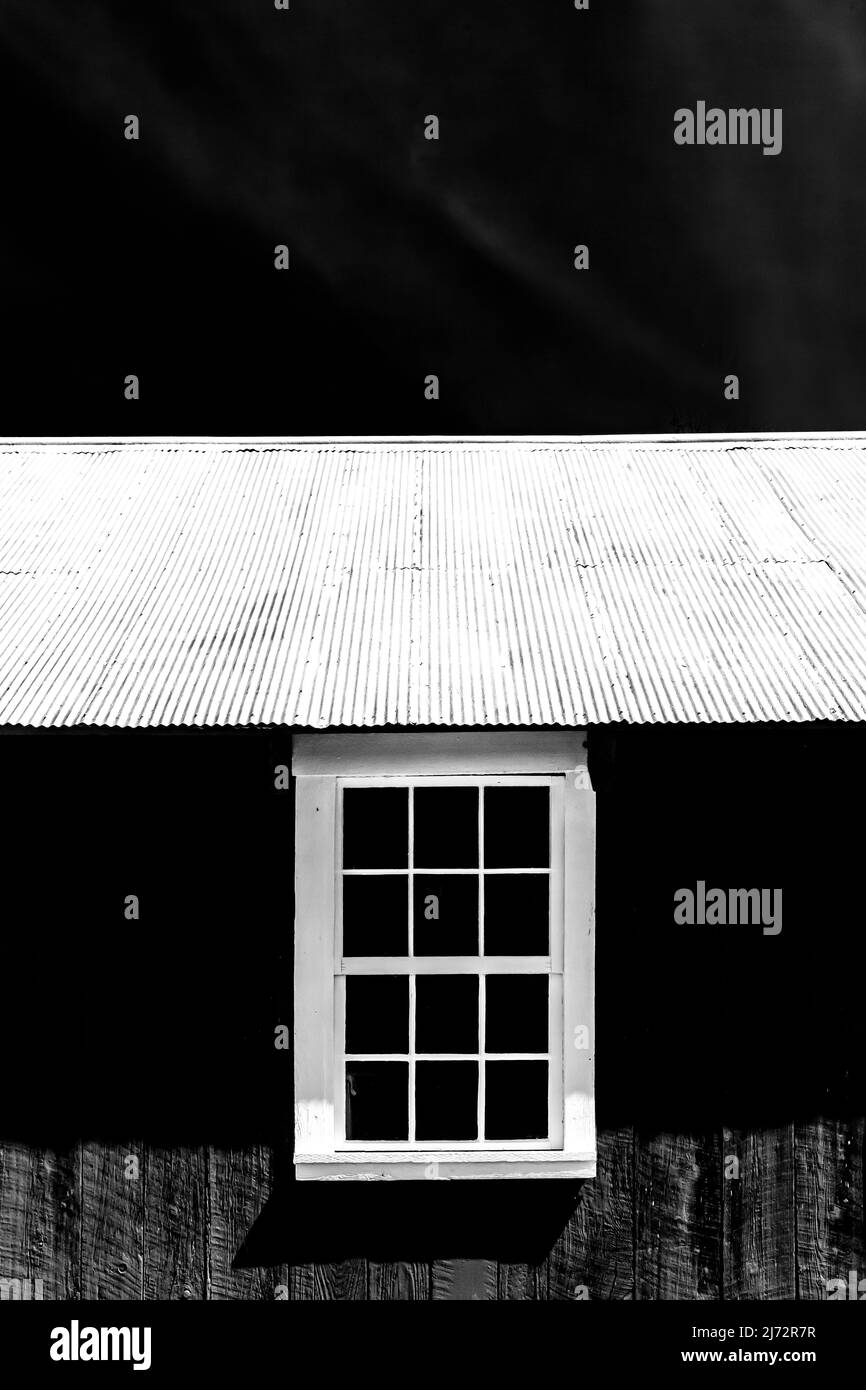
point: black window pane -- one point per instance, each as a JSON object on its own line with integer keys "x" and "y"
{"x": 516, "y": 1013}
{"x": 446, "y": 1100}
{"x": 446, "y": 1013}
{"x": 515, "y": 1100}
{"x": 516, "y": 827}
{"x": 446, "y": 914}
{"x": 516, "y": 914}
{"x": 377, "y": 1013}
{"x": 377, "y": 1100}
{"x": 376, "y": 915}
{"x": 375, "y": 827}
{"x": 446, "y": 827}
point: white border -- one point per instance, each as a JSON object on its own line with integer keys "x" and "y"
{"x": 301, "y": 441}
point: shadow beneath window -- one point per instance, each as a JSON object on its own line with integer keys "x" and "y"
{"x": 508, "y": 1221}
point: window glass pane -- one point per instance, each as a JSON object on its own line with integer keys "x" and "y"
{"x": 446, "y": 914}
{"x": 446, "y": 827}
{"x": 516, "y": 1013}
{"x": 515, "y": 1100}
{"x": 375, "y": 827}
{"x": 377, "y": 1100}
{"x": 516, "y": 827}
{"x": 377, "y": 1013}
{"x": 446, "y": 1100}
{"x": 376, "y": 915}
{"x": 516, "y": 913}
{"x": 446, "y": 1013}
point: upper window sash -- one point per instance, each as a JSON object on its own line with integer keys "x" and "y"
{"x": 552, "y": 963}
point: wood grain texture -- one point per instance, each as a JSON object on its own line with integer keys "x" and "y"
{"x": 398, "y": 1281}
{"x": 39, "y": 1220}
{"x": 175, "y": 1223}
{"x": 239, "y": 1184}
{"x": 660, "y": 1221}
{"x": 678, "y": 1226}
{"x": 344, "y": 1281}
{"x": 464, "y": 1281}
{"x": 516, "y": 1282}
{"x": 594, "y": 1258}
{"x": 828, "y": 1161}
{"x": 759, "y": 1224}
{"x": 112, "y": 1220}
{"x": 302, "y": 1283}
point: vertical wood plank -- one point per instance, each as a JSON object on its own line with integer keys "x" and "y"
{"x": 112, "y": 1220}
{"x": 342, "y": 1281}
{"x": 464, "y": 1280}
{"x": 759, "y": 1214}
{"x": 302, "y": 1283}
{"x": 406, "y": 1282}
{"x": 678, "y": 1233}
{"x": 594, "y": 1258}
{"x": 239, "y": 1184}
{"x": 514, "y": 1282}
{"x": 528, "y": 1283}
{"x": 175, "y": 1223}
{"x": 39, "y": 1220}
{"x": 829, "y": 1156}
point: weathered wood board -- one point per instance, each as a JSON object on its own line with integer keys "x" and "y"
{"x": 239, "y": 1184}
{"x": 175, "y": 1228}
{"x": 464, "y": 1280}
{"x": 111, "y": 1179}
{"x": 594, "y": 1257}
{"x": 406, "y": 1282}
{"x": 828, "y": 1177}
{"x": 40, "y": 1225}
{"x": 678, "y": 1230}
{"x": 759, "y": 1214}
{"x": 767, "y": 1214}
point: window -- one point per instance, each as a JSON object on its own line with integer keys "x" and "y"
{"x": 443, "y": 956}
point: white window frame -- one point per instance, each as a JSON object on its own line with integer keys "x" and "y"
{"x": 322, "y": 764}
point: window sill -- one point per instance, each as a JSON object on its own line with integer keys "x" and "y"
{"x": 442, "y": 1166}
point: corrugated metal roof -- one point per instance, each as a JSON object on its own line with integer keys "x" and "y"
{"x": 389, "y": 582}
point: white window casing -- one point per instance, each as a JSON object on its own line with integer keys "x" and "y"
{"x": 323, "y": 764}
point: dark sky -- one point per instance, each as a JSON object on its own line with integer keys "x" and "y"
{"x": 411, "y": 256}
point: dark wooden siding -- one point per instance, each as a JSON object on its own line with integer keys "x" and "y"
{"x": 659, "y": 1222}
{"x": 145, "y": 1133}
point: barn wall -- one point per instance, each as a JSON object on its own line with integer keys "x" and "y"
{"x": 146, "y": 1115}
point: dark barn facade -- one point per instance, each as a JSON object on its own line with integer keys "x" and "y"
{"x": 179, "y": 616}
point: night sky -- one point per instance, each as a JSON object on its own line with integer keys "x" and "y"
{"x": 411, "y": 256}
